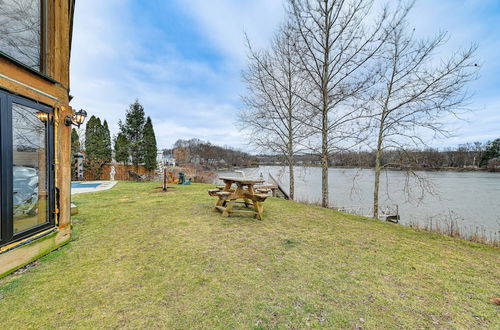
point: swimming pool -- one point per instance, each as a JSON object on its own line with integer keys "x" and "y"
{"x": 84, "y": 185}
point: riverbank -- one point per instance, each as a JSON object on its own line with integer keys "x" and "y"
{"x": 469, "y": 199}
{"x": 144, "y": 259}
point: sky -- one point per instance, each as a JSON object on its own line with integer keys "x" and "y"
{"x": 182, "y": 59}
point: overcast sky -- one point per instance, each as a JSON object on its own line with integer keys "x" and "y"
{"x": 183, "y": 59}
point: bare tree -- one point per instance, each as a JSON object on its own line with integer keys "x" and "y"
{"x": 418, "y": 92}
{"x": 274, "y": 110}
{"x": 337, "y": 40}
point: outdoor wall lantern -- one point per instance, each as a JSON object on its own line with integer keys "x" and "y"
{"x": 76, "y": 119}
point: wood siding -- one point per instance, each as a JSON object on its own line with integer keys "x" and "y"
{"x": 53, "y": 92}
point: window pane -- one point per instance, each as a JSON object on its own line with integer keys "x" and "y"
{"x": 20, "y": 29}
{"x": 30, "y": 196}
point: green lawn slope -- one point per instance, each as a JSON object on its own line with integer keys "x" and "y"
{"x": 144, "y": 259}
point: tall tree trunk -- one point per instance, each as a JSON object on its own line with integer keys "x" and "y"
{"x": 292, "y": 180}
{"x": 291, "y": 132}
{"x": 290, "y": 156}
{"x": 378, "y": 168}
{"x": 325, "y": 105}
{"x": 324, "y": 162}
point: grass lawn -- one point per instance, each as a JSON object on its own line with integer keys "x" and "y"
{"x": 140, "y": 259}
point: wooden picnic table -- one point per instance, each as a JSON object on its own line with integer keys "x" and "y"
{"x": 245, "y": 190}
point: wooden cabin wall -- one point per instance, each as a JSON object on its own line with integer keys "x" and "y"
{"x": 24, "y": 82}
{"x": 54, "y": 92}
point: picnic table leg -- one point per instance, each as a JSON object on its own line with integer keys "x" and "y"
{"x": 220, "y": 202}
{"x": 259, "y": 210}
{"x": 228, "y": 186}
{"x": 229, "y": 208}
{"x": 251, "y": 191}
{"x": 247, "y": 202}
{"x": 232, "y": 200}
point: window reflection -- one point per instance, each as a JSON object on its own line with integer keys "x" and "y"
{"x": 29, "y": 168}
{"x": 20, "y": 31}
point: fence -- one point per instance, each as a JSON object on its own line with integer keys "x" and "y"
{"x": 121, "y": 172}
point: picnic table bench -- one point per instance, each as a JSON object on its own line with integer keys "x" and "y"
{"x": 244, "y": 193}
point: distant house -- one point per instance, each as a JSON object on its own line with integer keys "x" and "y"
{"x": 35, "y": 124}
{"x": 494, "y": 163}
{"x": 78, "y": 163}
{"x": 167, "y": 159}
{"x": 170, "y": 161}
{"x": 196, "y": 159}
{"x": 159, "y": 157}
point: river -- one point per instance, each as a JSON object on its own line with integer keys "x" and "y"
{"x": 470, "y": 199}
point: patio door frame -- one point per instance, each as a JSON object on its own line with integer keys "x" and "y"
{"x": 7, "y": 234}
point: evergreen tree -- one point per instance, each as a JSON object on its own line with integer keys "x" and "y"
{"x": 75, "y": 142}
{"x": 121, "y": 149}
{"x": 150, "y": 149}
{"x": 75, "y": 146}
{"x": 95, "y": 146}
{"x": 107, "y": 148}
{"x": 90, "y": 129}
{"x": 133, "y": 128}
{"x": 492, "y": 151}
{"x": 90, "y": 144}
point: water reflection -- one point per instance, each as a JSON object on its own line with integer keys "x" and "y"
{"x": 20, "y": 31}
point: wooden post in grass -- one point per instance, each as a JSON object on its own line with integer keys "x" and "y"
{"x": 164, "y": 179}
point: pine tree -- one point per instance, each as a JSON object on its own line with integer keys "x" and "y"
{"x": 121, "y": 149}
{"x": 90, "y": 135}
{"x": 150, "y": 149}
{"x": 492, "y": 151}
{"x": 75, "y": 148}
{"x": 133, "y": 128}
{"x": 90, "y": 146}
{"x": 75, "y": 142}
{"x": 107, "y": 148}
{"x": 95, "y": 146}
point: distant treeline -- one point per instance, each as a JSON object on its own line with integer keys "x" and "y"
{"x": 203, "y": 152}
{"x": 469, "y": 155}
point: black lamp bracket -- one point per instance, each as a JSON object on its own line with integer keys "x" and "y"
{"x": 68, "y": 121}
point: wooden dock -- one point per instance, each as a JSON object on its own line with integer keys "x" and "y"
{"x": 390, "y": 214}
{"x": 280, "y": 189}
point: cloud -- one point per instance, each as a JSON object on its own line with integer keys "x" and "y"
{"x": 225, "y": 22}
{"x": 183, "y": 60}
{"x": 112, "y": 65}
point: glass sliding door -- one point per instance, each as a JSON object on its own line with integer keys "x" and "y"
{"x": 26, "y": 170}
{"x": 3, "y": 181}
{"x": 5, "y": 232}
{"x": 29, "y": 168}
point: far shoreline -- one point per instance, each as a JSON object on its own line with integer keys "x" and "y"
{"x": 426, "y": 169}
